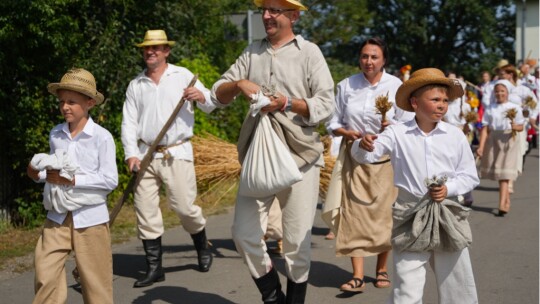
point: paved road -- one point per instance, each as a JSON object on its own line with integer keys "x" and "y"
{"x": 504, "y": 256}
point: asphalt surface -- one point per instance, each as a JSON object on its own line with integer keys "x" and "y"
{"x": 504, "y": 256}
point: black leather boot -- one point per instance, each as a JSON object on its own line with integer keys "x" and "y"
{"x": 204, "y": 256}
{"x": 270, "y": 288}
{"x": 154, "y": 271}
{"x": 296, "y": 292}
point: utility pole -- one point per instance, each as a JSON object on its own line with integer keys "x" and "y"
{"x": 249, "y": 26}
{"x": 523, "y": 25}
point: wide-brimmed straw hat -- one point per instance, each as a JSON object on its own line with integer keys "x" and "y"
{"x": 296, "y": 3}
{"x": 422, "y": 78}
{"x": 78, "y": 80}
{"x": 155, "y": 37}
{"x": 499, "y": 65}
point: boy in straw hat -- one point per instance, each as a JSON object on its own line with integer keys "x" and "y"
{"x": 150, "y": 99}
{"x": 433, "y": 166}
{"x": 81, "y": 168}
{"x": 293, "y": 75}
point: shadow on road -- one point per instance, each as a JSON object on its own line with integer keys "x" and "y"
{"x": 169, "y": 294}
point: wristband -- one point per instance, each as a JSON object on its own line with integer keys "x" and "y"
{"x": 284, "y": 105}
{"x": 288, "y": 106}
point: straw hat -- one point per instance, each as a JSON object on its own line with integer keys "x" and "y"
{"x": 422, "y": 78}
{"x": 500, "y": 64}
{"x": 155, "y": 37}
{"x": 78, "y": 80}
{"x": 296, "y": 3}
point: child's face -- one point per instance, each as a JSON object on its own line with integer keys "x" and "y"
{"x": 501, "y": 93}
{"x": 74, "y": 106}
{"x": 431, "y": 105}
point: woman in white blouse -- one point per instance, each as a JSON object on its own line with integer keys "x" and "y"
{"x": 499, "y": 145}
{"x": 367, "y": 191}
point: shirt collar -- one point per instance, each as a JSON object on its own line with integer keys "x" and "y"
{"x": 89, "y": 127}
{"x": 384, "y": 77}
{"x": 298, "y": 41}
{"x": 412, "y": 126}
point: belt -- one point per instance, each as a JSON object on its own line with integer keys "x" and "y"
{"x": 164, "y": 149}
{"x": 381, "y": 162}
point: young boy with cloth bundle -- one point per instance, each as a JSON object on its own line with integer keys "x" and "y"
{"x": 433, "y": 166}
{"x": 80, "y": 172}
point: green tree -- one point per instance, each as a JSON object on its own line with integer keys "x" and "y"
{"x": 42, "y": 39}
{"x": 465, "y": 36}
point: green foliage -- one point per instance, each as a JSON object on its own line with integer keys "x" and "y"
{"x": 463, "y": 36}
{"x": 30, "y": 213}
{"x": 41, "y": 39}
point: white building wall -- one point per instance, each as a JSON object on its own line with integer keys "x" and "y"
{"x": 532, "y": 33}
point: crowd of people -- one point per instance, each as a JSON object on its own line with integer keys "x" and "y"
{"x": 406, "y": 150}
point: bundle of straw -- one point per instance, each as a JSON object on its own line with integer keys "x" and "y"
{"x": 215, "y": 159}
{"x": 529, "y": 103}
{"x": 326, "y": 172}
{"x": 471, "y": 117}
{"x": 511, "y": 114}
{"x": 383, "y": 105}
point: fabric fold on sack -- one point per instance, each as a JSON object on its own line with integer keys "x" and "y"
{"x": 63, "y": 198}
{"x": 424, "y": 225}
{"x": 268, "y": 167}
{"x": 303, "y": 141}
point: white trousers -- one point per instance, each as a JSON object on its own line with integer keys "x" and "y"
{"x": 179, "y": 179}
{"x": 298, "y": 206}
{"x": 453, "y": 272}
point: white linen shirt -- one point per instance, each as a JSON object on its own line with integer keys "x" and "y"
{"x": 148, "y": 106}
{"x": 415, "y": 156}
{"x": 495, "y": 116}
{"x": 94, "y": 151}
{"x": 355, "y": 104}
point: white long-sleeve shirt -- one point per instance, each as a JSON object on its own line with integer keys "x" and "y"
{"x": 94, "y": 152}
{"x": 495, "y": 116}
{"x": 355, "y": 104}
{"x": 455, "y": 109}
{"x": 415, "y": 156}
{"x": 148, "y": 106}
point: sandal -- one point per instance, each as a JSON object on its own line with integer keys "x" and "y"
{"x": 378, "y": 281}
{"x": 357, "y": 285}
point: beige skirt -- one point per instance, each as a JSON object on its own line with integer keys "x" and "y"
{"x": 500, "y": 158}
{"x": 368, "y": 193}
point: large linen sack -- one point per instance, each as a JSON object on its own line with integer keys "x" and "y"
{"x": 268, "y": 167}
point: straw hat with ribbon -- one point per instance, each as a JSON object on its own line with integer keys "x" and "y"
{"x": 296, "y": 3}
{"x": 78, "y": 80}
{"x": 422, "y": 78}
{"x": 155, "y": 37}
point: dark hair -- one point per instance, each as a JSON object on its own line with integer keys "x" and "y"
{"x": 510, "y": 69}
{"x": 378, "y": 42}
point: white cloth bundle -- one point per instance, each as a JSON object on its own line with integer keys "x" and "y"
{"x": 258, "y": 101}
{"x": 63, "y": 198}
{"x": 268, "y": 167}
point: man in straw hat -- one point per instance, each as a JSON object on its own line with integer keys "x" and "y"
{"x": 433, "y": 165}
{"x": 150, "y": 99}
{"x": 293, "y": 74}
{"x": 79, "y": 173}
